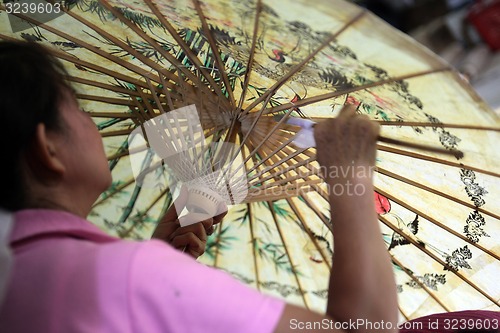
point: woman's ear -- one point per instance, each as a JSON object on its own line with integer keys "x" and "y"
{"x": 47, "y": 150}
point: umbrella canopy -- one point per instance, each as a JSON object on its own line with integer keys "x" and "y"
{"x": 248, "y": 68}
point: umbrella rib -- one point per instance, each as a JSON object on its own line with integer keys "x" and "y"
{"x": 246, "y": 82}
{"x": 187, "y": 50}
{"x": 127, "y": 152}
{"x": 281, "y": 192}
{"x": 423, "y": 124}
{"x": 283, "y": 160}
{"x": 272, "y": 90}
{"x": 283, "y": 171}
{"x": 278, "y": 228}
{"x": 440, "y": 125}
{"x": 254, "y": 123}
{"x": 437, "y": 223}
{"x": 288, "y": 180}
{"x": 126, "y": 115}
{"x": 155, "y": 96}
{"x": 130, "y": 50}
{"x": 302, "y": 220}
{"x": 299, "y": 162}
{"x": 166, "y": 92}
{"x": 215, "y": 51}
{"x": 421, "y": 285}
{"x": 86, "y": 45}
{"x": 116, "y": 190}
{"x": 67, "y": 57}
{"x": 252, "y": 235}
{"x": 102, "y": 85}
{"x": 333, "y": 94}
{"x": 326, "y": 222}
{"x": 140, "y": 111}
{"x": 157, "y": 47}
{"x": 273, "y": 152}
{"x": 435, "y": 160}
{"x": 434, "y": 191}
{"x": 107, "y": 100}
{"x": 438, "y": 260}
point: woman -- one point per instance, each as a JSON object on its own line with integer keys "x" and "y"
{"x": 68, "y": 276}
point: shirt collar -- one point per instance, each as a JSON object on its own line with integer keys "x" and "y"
{"x": 31, "y": 223}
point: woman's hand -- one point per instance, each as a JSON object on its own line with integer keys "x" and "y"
{"x": 346, "y": 145}
{"x": 192, "y": 238}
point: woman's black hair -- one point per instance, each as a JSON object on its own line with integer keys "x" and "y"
{"x": 32, "y": 87}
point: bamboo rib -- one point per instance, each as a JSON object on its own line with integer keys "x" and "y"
{"x": 105, "y": 86}
{"x": 107, "y": 100}
{"x": 87, "y": 46}
{"x": 129, "y": 207}
{"x": 298, "y": 162}
{"x": 275, "y": 164}
{"x": 127, "y": 232}
{"x": 82, "y": 63}
{"x": 280, "y": 171}
{"x": 435, "y": 160}
{"x": 322, "y": 193}
{"x": 128, "y": 152}
{"x": 139, "y": 56}
{"x": 166, "y": 92}
{"x": 173, "y": 60}
{"x": 114, "y": 192}
{"x": 217, "y": 241}
{"x": 258, "y": 11}
{"x": 253, "y": 240}
{"x": 286, "y": 154}
{"x": 254, "y": 123}
{"x": 434, "y": 191}
{"x": 215, "y": 51}
{"x": 422, "y": 124}
{"x": 141, "y": 113}
{"x": 437, "y": 223}
{"x": 435, "y": 125}
{"x": 265, "y": 150}
{"x": 302, "y": 220}
{"x": 187, "y": 50}
{"x": 330, "y": 95}
{"x": 272, "y": 90}
{"x": 245, "y": 138}
{"x": 318, "y": 213}
{"x": 280, "y": 232}
{"x": 126, "y": 131}
{"x": 155, "y": 97}
{"x": 276, "y": 194}
{"x": 423, "y": 286}
{"x": 457, "y": 153}
{"x": 403, "y": 313}
{"x": 111, "y": 114}
{"x": 438, "y": 260}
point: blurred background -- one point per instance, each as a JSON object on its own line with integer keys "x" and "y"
{"x": 466, "y": 33}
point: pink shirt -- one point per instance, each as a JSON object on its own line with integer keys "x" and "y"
{"x": 68, "y": 276}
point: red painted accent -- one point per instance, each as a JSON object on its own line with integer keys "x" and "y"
{"x": 382, "y": 204}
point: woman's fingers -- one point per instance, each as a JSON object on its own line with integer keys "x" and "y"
{"x": 199, "y": 229}
{"x": 190, "y": 243}
{"x": 347, "y": 111}
{"x": 165, "y": 228}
